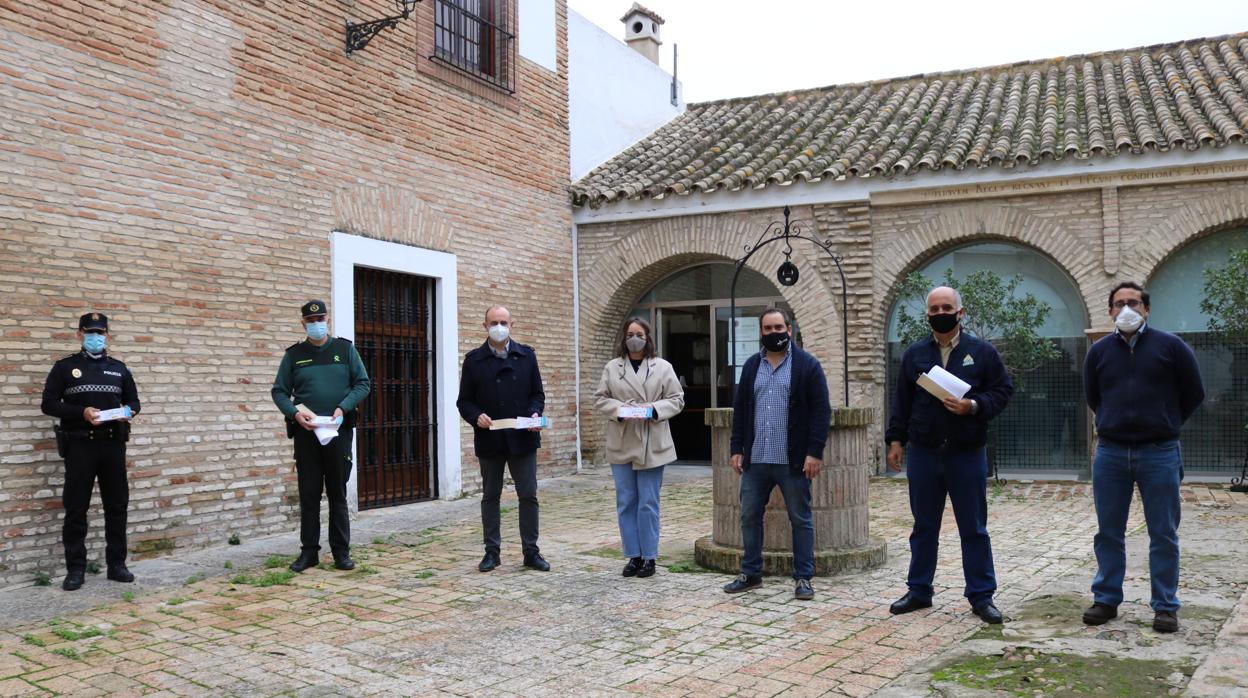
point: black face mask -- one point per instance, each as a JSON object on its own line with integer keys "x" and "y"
{"x": 776, "y": 341}
{"x": 943, "y": 323}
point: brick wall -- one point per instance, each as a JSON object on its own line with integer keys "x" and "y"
{"x": 1097, "y": 236}
{"x": 180, "y": 165}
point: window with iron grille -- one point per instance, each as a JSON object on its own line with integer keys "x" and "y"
{"x": 471, "y": 36}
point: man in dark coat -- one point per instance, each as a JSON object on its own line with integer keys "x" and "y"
{"x": 780, "y": 422}
{"x": 947, "y": 449}
{"x": 500, "y": 380}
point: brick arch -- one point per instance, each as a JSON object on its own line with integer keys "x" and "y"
{"x": 621, "y": 273}
{"x": 980, "y": 223}
{"x": 1207, "y": 215}
{"x": 392, "y": 214}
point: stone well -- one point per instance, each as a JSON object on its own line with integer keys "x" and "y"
{"x": 839, "y": 498}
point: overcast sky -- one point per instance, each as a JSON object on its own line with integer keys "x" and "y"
{"x": 736, "y": 48}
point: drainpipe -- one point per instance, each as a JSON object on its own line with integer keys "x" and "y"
{"x": 576, "y": 340}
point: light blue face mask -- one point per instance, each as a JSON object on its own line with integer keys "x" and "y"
{"x": 317, "y": 330}
{"x": 93, "y": 343}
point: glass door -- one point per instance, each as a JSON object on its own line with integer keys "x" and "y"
{"x": 685, "y": 341}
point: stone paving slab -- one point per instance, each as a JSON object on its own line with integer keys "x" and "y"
{"x": 415, "y": 618}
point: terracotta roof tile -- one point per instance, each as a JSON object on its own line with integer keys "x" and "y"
{"x": 1189, "y": 95}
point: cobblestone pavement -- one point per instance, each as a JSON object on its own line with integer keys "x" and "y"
{"x": 417, "y": 619}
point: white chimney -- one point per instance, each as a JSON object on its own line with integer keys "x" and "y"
{"x": 641, "y": 31}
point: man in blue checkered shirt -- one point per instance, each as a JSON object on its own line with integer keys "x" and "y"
{"x": 780, "y": 421}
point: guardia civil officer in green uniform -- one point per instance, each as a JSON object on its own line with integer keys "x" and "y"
{"x": 80, "y": 387}
{"x": 325, "y": 375}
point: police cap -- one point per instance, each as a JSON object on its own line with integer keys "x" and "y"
{"x": 93, "y": 321}
{"x": 314, "y": 307}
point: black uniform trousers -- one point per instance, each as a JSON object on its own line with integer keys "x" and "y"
{"x": 87, "y": 460}
{"x": 323, "y": 468}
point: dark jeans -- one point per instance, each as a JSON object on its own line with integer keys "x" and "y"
{"x": 323, "y": 468}
{"x": 523, "y": 469}
{"x": 1156, "y": 469}
{"x": 963, "y": 476}
{"x": 85, "y": 461}
{"x": 757, "y": 482}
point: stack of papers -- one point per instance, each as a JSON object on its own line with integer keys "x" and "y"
{"x": 520, "y": 423}
{"x": 942, "y": 384}
{"x": 123, "y": 412}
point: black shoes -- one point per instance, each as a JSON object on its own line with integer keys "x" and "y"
{"x": 73, "y": 580}
{"x": 742, "y": 583}
{"x": 803, "y": 591}
{"x": 306, "y": 559}
{"x": 119, "y": 573}
{"x": 1166, "y": 622}
{"x": 988, "y": 612}
{"x": 344, "y": 562}
{"x": 1100, "y": 614}
{"x": 489, "y": 562}
{"x": 647, "y": 569}
{"x": 633, "y": 567}
{"x": 536, "y": 562}
{"x": 908, "y": 603}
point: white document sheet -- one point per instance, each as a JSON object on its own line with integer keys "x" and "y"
{"x": 940, "y": 383}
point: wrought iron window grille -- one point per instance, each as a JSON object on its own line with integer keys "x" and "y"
{"x": 358, "y": 35}
{"x": 471, "y": 36}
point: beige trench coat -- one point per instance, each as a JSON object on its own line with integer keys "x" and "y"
{"x": 644, "y": 443}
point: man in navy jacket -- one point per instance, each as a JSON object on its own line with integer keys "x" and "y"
{"x": 780, "y": 422}
{"x": 1142, "y": 384}
{"x": 947, "y": 452}
{"x": 500, "y": 380}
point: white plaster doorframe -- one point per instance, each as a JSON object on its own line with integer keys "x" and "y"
{"x": 349, "y": 251}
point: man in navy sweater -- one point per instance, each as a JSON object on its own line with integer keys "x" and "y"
{"x": 947, "y": 440}
{"x": 780, "y": 422}
{"x": 1142, "y": 384}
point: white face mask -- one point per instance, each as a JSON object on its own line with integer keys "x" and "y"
{"x": 499, "y": 333}
{"x": 635, "y": 344}
{"x": 1128, "y": 320}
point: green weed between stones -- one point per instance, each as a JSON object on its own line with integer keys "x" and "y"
{"x": 364, "y": 570}
{"x": 74, "y": 634}
{"x": 33, "y": 641}
{"x": 278, "y": 561}
{"x": 128, "y": 596}
{"x": 268, "y": 579}
{"x": 93, "y": 567}
{"x": 68, "y": 653}
{"x": 423, "y": 574}
{"x": 1028, "y": 672}
{"x": 687, "y": 567}
{"x": 43, "y": 579}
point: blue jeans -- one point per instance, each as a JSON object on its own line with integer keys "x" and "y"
{"x": 1157, "y": 469}
{"x": 757, "y": 482}
{"x": 963, "y": 476}
{"x": 637, "y": 506}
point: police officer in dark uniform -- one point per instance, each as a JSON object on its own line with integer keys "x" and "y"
{"x": 325, "y": 376}
{"x": 80, "y": 387}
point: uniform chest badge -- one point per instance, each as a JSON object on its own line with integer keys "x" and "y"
{"x": 336, "y": 358}
{"x": 76, "y": 373}
{"x": 968, "y": 361}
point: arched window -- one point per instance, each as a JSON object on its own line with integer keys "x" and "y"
{"x": 1045, "y": 426}
{"x": 1213, "y": 439}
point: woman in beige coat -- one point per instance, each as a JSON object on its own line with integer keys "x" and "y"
{"x": 638, "y": 393}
